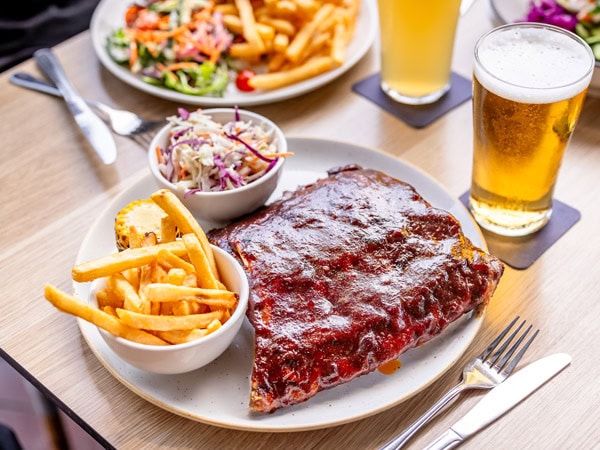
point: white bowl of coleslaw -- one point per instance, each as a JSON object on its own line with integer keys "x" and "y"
{"x": 222, "y": 163}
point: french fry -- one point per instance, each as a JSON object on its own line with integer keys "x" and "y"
{"x": 234, "y": 24}
{"x": 205, "y": 276}
{"x": 165, "y": 292}
{"x": 311, "y": 68}
{"x": 282, "y": 26}
{"x": 118, "y": 262}
{"x": 168, "y": 229}
{"x": 319, "y": 42}
{"x": 175, "y": 276}
{"x": 338, "y": 44}
{"x": 302, "y": 38}
{"x": 293, "y": 33}
{"x": 308, "y": 7}
{"x": 110, "y": 310}
{"x": 250, "y": 31}
{"x": 281, "y": 42}
{"x": 167, "y": 323}
{"x": 113, "y": 325}
{"x": 119, "y": 285}
{"x": 135, "y": 240}
{"x": 133, "y": 276}
{"x": 171, "y": 260}
{"x": 105, "y": 297}
{"x": 285, "y": 8}
{"x": 277, "y": 62}
{"x": 245, "y": 50}
{"x": 182, "y": 336}
{"x": 185, "y": 221}
{"x": 181, "y": 308}
{"x": 191, "y": 280}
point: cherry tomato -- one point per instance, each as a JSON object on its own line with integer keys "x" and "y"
{"x": 241, "y": 81}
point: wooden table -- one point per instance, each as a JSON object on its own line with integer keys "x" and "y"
{"x": 53, "y": 187}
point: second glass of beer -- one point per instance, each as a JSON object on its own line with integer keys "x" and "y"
{"x": 529, "y": 84}
{"x": 417, "y": 40}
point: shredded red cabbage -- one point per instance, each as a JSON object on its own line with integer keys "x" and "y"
{"x": 249, "y": 147}
{"x": 550, "y": 12}
{"x": 183, "y": 113}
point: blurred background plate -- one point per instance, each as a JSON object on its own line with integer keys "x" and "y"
{"x": 508, "y": 11}
{"x": 110, "y": 15}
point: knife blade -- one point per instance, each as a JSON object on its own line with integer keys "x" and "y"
{"x": 95, "y": 131}
{"x": 501, "y": 399}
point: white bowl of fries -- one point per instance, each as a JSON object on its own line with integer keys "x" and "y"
{"x": 186, "y": 356}
{"x": 251, "y": 189}
{"x": 169, "y": 302}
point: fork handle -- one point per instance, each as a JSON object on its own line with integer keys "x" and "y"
{"x": 30, "y": 82}
{"x": 401, "y": 439}
{"x": 25, "y": 80}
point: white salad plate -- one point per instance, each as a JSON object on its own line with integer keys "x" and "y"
{"x": 509, "y": 11}
{"x": 218, "y": 393}
{"x": 109, "y": 16}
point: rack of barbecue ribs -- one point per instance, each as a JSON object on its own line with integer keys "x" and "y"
{"x": 346, "y": 274}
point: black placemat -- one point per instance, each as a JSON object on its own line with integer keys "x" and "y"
{"x": 417, "y": 116}
{"x": 522, "y": 252}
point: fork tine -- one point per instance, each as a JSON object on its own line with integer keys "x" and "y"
{"x": 506, "y": 357}
{"x": 487, "y": 352}
{"x": 496, "y": 356}
{"x": 142, "y": 139}
{"x": 508, "y": 370}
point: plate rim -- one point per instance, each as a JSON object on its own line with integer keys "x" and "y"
{"x": 364, "y": 40}
{"x": 92, "y": 336}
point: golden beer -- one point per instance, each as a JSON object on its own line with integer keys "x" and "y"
{"x": 529, "y": 85}
{"x": 417, "y": 39}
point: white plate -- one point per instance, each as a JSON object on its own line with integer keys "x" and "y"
{"x": 509, "y": 11}
{"x": 218, "y": 393}
{"x": 109, "y": 15}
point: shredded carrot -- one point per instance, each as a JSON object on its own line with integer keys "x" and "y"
{"x": 159, "y": 155}
{"x": 275, "y": 155}
{"x": 133, "y": 55}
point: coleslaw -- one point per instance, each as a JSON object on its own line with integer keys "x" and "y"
{"x": 206, "y": 156}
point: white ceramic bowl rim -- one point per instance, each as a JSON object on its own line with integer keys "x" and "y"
{"x": 282, "y": 148}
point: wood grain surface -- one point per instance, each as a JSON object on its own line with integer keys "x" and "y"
{"x": 52, "y": 187}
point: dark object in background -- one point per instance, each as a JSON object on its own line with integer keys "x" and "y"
{"x": 8, "y": 439}
{"x": 27, "y": 25}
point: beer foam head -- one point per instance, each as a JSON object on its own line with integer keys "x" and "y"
{"x": 533, "y": 63}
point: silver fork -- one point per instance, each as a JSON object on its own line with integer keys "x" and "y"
{"x": 123, "y": 123}
{"x": 486, "y": 371}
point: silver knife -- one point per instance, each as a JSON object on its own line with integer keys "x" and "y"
{"x": 501, "y": 399}
{"x": 95, "y": 131}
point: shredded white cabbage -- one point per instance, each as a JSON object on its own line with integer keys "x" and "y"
{"x": 204, "y": 155}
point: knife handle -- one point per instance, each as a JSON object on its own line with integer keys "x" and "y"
{"x": 48, "y": 62}
{"x": 449, "y": 439}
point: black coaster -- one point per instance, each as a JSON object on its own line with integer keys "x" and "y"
{"x": 418, "y": 116}
{"x": 522, "y": 252}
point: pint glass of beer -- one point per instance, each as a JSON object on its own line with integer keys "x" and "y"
{"x": 417, "y": 39}
{"x": 529, "y": 84}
